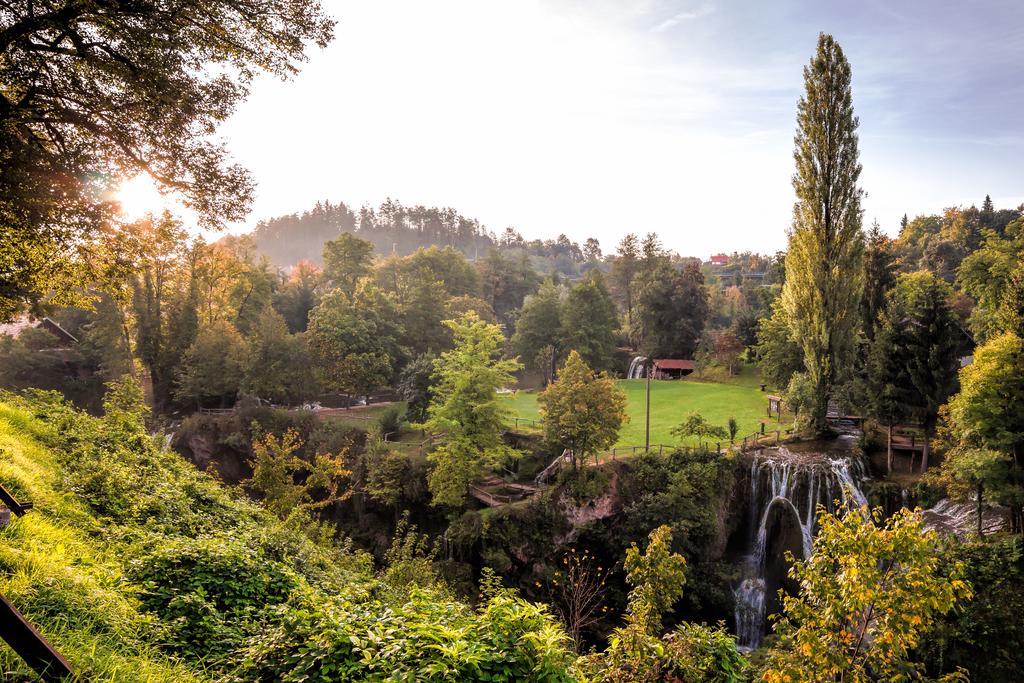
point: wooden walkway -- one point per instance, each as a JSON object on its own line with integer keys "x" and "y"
{"x": 489, "y": 493}
{"x": 908, "y": 442}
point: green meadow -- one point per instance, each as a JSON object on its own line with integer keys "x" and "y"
{"x": 738, "y": 397}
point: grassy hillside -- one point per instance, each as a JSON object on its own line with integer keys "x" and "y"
{"x": 137, "y": 567}
{"x": 58, "y": 568}
{"x": 671, "y": 400}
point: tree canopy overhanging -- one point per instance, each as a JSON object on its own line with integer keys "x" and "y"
{"x": 96, "y": 91}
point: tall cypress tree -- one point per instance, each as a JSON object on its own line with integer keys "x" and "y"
{"x": 824, "y": 277}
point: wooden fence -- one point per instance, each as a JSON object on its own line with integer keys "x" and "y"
{"x": 17, "y": 632}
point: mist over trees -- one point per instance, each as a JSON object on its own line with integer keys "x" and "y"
{"x": 395, "y": 229}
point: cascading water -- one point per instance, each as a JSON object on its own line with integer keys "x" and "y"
{"x": 785, "y": 489}
{"x": 636, "y": 368}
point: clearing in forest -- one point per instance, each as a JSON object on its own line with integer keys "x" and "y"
{"x": 671, "y": 400}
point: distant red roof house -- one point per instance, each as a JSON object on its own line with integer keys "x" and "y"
{"x": 672, "y": 368}
{"x": 718, "y": 259}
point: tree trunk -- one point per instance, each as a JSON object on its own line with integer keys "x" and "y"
{"x": 980, "y": 532}
{"x": 888, "y": 451}
{"x": 925, "y": 448}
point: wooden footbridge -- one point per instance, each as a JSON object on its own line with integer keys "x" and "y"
{"x": 495, "y": 492}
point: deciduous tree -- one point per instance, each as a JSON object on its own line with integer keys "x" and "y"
{"x": 539, "y": 327}
{"x": 213, "y": 367}
{"x": 582, "y": 410}
{"x": 91, "y": 98}
{"x": 465, "y": 411}
{"x": 278, "y": 365}
{"x": 347, "y": 260}
{"x": 868, "y": 594}
{"x": 779, "y": 355}
{"x": 695, "y": 425}
{"x": 355, "y": 340}
{"x": 588, "y": 321}
{"x": 988, "y": 413}
{"x": 671, "y": 309}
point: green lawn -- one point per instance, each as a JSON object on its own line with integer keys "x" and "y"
{"x": 671, "y": 400}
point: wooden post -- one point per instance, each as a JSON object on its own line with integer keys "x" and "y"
{"x": 12, "y": 503}
{"x": 31, "y": 645}
{"x": 647, "y": 425}
{"x": 888, "y": 450}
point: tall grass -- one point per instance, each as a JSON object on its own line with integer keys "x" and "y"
{"x": 60, "y": 571}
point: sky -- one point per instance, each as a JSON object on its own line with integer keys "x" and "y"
{"x": 596, "y": 118}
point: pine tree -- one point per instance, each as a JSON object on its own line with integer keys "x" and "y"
{"x": 914, "y": 358}
{"x": 886, "y": 378}
{"x": 624, "y": 270}
{"x": 988, "y": 213}
{"x": 589, "y": 321}
{"x": 879, "y": 277}
{"x": 824, "y": 279}
{"x": 932, "y": 348}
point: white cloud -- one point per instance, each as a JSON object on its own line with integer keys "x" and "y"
{"x": 571, "y": 117}
{"x": 680, "y": 17}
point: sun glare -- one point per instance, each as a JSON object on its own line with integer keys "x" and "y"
{"x": 139, "y": 196}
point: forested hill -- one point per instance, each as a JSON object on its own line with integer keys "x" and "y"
{"x": 392, "y": 228}
{"x": 397, "y": 229}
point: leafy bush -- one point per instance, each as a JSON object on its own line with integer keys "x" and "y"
{"x": 390, "y": 421}
{"x": 986, "y": 635}
{"x": 427, "y": 638}
{"x": 210, "y": 591}
{"x": 584, "y": 484}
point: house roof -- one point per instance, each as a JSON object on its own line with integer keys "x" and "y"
{"x": 674, "y": 364}
{"x": 22, "y": 323}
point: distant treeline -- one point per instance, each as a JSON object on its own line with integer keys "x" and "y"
{"x": 397, "y": 229}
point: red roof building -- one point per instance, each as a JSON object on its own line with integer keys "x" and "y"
{"x": 718, "y": 259}
{"x": 672, "y": 368}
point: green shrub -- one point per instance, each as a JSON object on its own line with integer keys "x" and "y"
{"x": 427, "y": 638}
{"x": 390, "y": 421}
{"x": 584, "y": 484}
{"x": 211, "y": 591}
{"x": 986, "y": 634}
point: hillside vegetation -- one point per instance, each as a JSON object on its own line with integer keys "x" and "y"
{"x": 137, "y": 567}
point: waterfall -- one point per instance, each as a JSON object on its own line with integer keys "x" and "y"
{"x": 636, "y": 368}
{"x": 793, "y": 484}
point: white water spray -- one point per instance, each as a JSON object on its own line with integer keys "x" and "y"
{"x": 636, "y": 368}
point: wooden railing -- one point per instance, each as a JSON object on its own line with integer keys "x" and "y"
{"x": 17, "y": 632}
{"x": 216, "y": 411}
{"x": 12, "y": 503}
{"x": 533, "y": 422}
